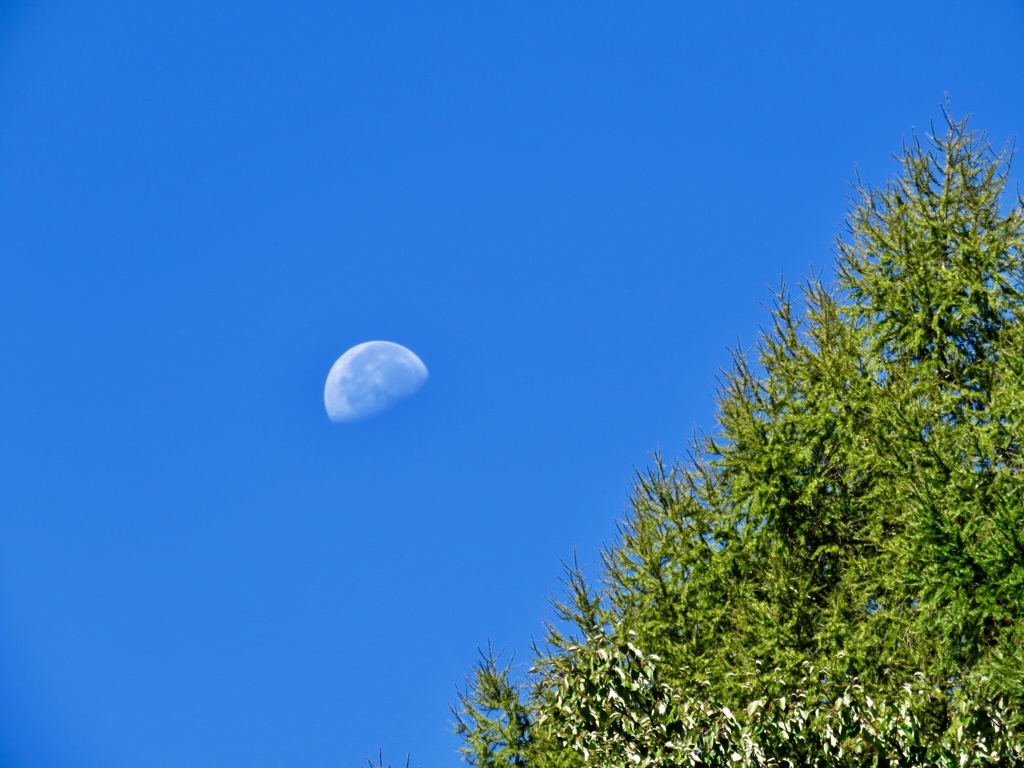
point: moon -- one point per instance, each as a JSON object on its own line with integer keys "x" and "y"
{"x": 370, "y": 378}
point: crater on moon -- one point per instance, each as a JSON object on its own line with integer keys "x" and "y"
{"x": 370, "y": 378}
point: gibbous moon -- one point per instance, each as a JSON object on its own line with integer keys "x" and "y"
{"x": 370, "y": 378}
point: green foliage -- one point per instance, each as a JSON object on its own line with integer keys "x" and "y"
{"x": 611, "y": 707}
{"x": 493, "y": 718}
{"x": 855, "y": 525}
{"x": 496, "y": 722}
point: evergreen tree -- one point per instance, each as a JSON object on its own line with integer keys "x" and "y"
{"x": 836, "y": 576}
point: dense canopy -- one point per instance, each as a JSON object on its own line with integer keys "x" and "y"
{"x": 835, "y": 576}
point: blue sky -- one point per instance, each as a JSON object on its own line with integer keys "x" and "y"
{"x": 569, "y": 211}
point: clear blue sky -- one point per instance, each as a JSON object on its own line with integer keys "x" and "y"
{"x": 569, "y": 211}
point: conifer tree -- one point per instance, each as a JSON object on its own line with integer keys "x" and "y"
{"x": 836, "y": 575}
